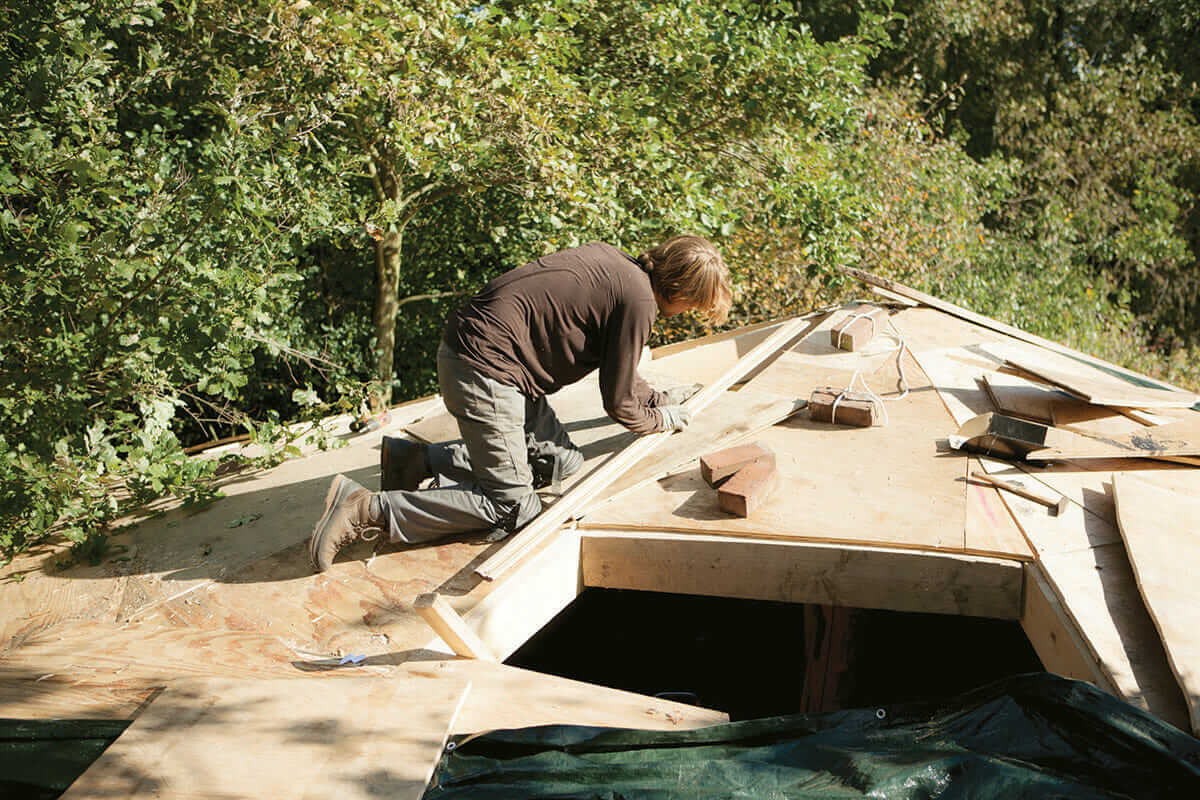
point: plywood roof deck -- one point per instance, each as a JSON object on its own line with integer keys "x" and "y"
{"x": 876, "y": 517}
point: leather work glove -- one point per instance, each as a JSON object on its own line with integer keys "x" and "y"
{"x": 674, "y": 418}
{"x": 678, "y": 394}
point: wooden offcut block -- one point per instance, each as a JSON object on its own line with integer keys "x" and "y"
{"x": 749, "y": 487}
{"x": 716, "y": 467}
{"x": 857, "y": 329}
{"x": 854, "y": 408}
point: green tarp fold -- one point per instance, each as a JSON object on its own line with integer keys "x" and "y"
{"x": 1035, "y": 735}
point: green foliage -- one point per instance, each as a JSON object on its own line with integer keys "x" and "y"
{"x": 230, "y": 217}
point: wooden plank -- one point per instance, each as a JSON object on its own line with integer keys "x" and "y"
{"x": 1018, "y": 397}
{"x": 795, "y": 572}
{"x": 505, "y": 613}
{"x": 994, "y": 325}
{"x": 1053, "y": 635}
{"x": 1159, "y": 529}
{"x": 1057, "y": 503}
{"x": 733, "y": 417}
{"x": 548, "y": 522}
{"x": 1085, "y": 383}
{"x": 1097, "y": 590}
{"x": 447, "y": 624}
{"x": 226, "y": 739}
{"x": 1180, "y": 438}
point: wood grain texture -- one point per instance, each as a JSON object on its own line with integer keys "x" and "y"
{"x": 981, "y": 322}
{"x": 1086, "y": 382}
{"x": 1052, "y": 632}
{"x": 1159, "y": 527}
{"x": 447, "y": 624}
{"x": 1181, "y": 438}
{"x": 1097, "y": 590}
{"x": 281, "y": 738}
{"x": 990, "y": 525}
{"x": 850, "y": 485}
{"x": 509, "y": 697}
{"x": 794, "y": 572}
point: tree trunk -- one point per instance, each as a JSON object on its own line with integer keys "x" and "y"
{"x": 387, "y": 288}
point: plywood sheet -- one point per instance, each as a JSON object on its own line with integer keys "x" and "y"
{"x": 837, "y": 484}
{"x": 990, "y": 525}
{"x": 1017, "y": 397}
{"x": 1089, "y": 383}
{"x": 508, "y": 697}
{"x": 1180, "y": 438}
{"x": 1097, "y": 590}
{"x": 316, "y": 738}
{"x": 1162, "y": 539}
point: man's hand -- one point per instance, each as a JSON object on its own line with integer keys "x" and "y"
{"x": 674, "y": 418}
{"x": 678, "y": 394}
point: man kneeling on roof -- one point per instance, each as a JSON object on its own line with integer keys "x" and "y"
{"x": 527, "y": 334}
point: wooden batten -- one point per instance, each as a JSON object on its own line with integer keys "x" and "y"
{"x": 504, "y": 614}
{"x": 800, "y": 572}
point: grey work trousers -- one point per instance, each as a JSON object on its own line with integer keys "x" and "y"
{"x": 484, "y": 482}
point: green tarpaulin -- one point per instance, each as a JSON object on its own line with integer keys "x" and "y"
{"x": 1032, "y": 735}
{"x": 39, "y": 759}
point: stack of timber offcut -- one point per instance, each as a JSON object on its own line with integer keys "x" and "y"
{"x": 193, "y": 620}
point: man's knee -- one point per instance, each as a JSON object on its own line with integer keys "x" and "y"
{"x": 515, "y": 515}
{"x": 551, "y": 463}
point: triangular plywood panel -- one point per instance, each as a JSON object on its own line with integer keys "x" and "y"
{"x": 837, "y": 484}
{"x": 282, "y": 738}
{"x": 1161, "y": 529}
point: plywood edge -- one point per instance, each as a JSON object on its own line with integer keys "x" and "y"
{"x": 511, "y": 697}
{"x": 1157, "y": 526}
{"x": 803, "y": 572}
{"x": 589, "y": 528}
{"x": 1053, "y": 634}
{"x": 759, "y": 330}
{"x": 506, "y": 612}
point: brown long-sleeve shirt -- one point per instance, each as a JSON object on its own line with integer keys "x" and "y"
{"x": 547, "y": 324}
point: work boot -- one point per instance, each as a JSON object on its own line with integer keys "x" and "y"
{"x": 551, "y": 463}
{"x": 351, "y": 512}
{"x": 402, "y": 464}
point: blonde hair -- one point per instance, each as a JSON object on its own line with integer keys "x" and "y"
{"x": 689, "y": 268}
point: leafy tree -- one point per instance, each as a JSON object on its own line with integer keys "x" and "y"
{"x": 581, "y": 119}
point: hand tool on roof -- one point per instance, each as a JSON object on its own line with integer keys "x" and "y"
{"x": 1057, "y": 503}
